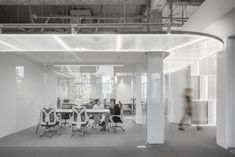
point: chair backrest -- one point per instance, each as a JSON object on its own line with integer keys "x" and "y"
{"x": 80, "y": 116}
{"x": 121, "y": 107}
{"x": 117, "y": 111}
{"x": 66, "y": 100}
{"x": 87, "y": 105}
{"x": 48, "y": 116}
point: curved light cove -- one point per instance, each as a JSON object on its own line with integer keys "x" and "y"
{"x": 184, "y": 48}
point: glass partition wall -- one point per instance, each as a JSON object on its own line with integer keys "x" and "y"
{"x": 79, "y": 87}
{"x": 81, "y": 84}
{"x": 203, "y": 82}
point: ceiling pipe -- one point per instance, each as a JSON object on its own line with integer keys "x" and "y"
{"x": 91, "y": 25}
{"x": 71, "y": 2}
{"x": 86, "y": 17}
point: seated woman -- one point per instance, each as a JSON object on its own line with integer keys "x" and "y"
{"x": 98, "y": 104}
{"x": 98, "y": 118}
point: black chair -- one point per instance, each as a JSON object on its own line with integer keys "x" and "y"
{"x": 66, "y": 116}
{"x": 116, "y": 117}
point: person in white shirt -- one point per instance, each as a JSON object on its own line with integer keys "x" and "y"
{"x": 98, "y": 104}
{"x": 98, "y": 118}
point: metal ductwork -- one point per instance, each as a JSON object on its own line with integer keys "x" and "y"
{"x": 71, "y": 2}
{"x": 92, "y": 15}
{"x": 80, "y": 13}
{"x": 188, "y": 2}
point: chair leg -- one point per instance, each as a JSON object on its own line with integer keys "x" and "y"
{"x": 116, "y": 126}
{"x": 65, "y": 123}
{"x": 42, "y": 133}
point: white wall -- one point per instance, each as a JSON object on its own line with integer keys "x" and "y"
{"x": 50, "y": 86}
{"x": 221, "y": 26}
{"x": 211, "y": 11}
{"x": 20, "y": 102}
{"x": 177, "y": 83}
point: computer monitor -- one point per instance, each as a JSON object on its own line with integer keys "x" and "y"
{"x": 66, "y": 100}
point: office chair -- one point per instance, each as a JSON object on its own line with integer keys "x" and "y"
{"x": 80, "y": 120}
{"x": 49, "y": 120}
{"x": 116, "y": 118}
{"x": 66, "y": 116}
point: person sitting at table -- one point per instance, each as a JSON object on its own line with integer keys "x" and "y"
{"x": 105, "y": 118}
{"x": 98, "y": 118}
{"x": 112, "y": 102}
{"x": 98, "y": 104}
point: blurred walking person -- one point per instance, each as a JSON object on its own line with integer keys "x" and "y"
{"x": 187, "y": 108}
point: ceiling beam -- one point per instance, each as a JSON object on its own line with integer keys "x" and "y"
{"x": 72, "y": 2}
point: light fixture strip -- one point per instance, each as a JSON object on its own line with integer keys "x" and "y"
{"x": 62, "y": 43}
{"x": 91, "y": 65}
{"x": 186, "y": 44}
{"x": 11, "y": 46}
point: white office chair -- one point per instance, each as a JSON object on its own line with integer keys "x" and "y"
{"x": 48, "y": 119}
{"x": 80, "y": 120}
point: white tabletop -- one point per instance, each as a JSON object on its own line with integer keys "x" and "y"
{"x": 97, "y": 111}
{"x": 89, "y": 111}
{"x": 64, "y": 110}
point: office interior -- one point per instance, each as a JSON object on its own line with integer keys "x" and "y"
{"x": 59, "y": 58}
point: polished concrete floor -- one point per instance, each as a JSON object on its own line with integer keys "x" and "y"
{"x": 189, "y": 143}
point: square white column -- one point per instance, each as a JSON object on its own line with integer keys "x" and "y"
{"x": 155, "y": 107}
{"x": 139, "y": 115}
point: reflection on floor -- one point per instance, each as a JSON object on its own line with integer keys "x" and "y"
{"x": 133, "y": 135}
{"x": 232, "y": 150}
{"x": 189, "y": 143}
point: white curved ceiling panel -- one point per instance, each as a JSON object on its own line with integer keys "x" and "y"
{"x": 184, "y": 48}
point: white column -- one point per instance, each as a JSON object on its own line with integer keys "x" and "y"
{"x": 226, "y": 96}
{"x": 138, "y": 117}
{"x": 231, "y": 91}
{"x": 155, "y": 107}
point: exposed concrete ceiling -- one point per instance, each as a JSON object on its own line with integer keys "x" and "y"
{"x": 172, "y": 13}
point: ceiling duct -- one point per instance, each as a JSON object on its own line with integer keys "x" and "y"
{"x": 82, "y": 18}
{"x": 80, "y": 13}
{"x": 71, "y": 2}
{"x": 188, "y": 2}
